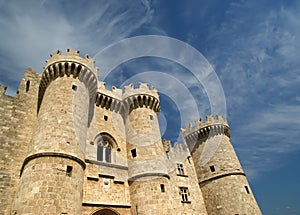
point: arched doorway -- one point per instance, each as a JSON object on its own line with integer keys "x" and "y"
{"x": 105, "y": 212}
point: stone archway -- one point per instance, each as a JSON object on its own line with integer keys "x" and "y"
{"x": 105, "y": 212}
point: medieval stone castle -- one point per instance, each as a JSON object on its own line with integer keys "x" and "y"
{"x": 71, "y": 146}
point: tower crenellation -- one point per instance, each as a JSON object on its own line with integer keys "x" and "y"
{"x": 203, "y": 129}
{"x": 143, "y": 89}
{"x": 3, "y": 89}
{"x": 71, "y": 63}
{"x": 109, "y": 99}
{"x": 71, "y": 56}
{"x": 141, "y": 97}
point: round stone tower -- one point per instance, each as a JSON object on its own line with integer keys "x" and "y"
{"x": 148, "y": 178}
{"x": 221, "y": 178}
{"x": 52, "y": 174}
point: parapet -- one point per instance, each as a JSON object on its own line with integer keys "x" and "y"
{"x": 109, "y": 99}
{"x": 66, "y": 65}
{"x": 204, "y": 129}
{"x": 143, "y": 89}
{"x": 142, "y": 96}
{"x": 3, "y": 89}
{"x": 115, "y": 92}
{"x": 72, "y": 56}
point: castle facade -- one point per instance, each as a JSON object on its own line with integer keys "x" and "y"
{"x": 71, "y": 146}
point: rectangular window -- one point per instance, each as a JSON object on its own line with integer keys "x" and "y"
{"x": 184, "y": 194}
{"x": 69, "y": 171}
{"x": 133, "y": 153}
{"x": 74, "y": 87}
{"x": 151, "y": 117}
{"x": 105, "y": 118}
{"x": 212, "y": 168}
{"x": 247, "y": 189}
{"x": 180, "y": 170}
{"x": 162, "y": 188}
{"x": 189, "y": 159}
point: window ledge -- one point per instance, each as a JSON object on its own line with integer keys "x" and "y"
{"x": 106, "y": 176}
{"x": 92, "y": 178}
{"x": 182, "y": 175}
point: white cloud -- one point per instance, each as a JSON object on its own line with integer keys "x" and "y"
{"x": 267, "y": 136}
{"x": 31, "y": 30}
{"x": 257, "y": 60}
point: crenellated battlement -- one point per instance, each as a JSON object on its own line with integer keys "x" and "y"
{"x": 169, "y": 148}
{"x": 109, "y": 99}
{"x": 143, "y": 89}
{"x": 71, "y": 56}
{"x": 203, "y": 129}
{"x": 142, "y": 96}
{"x": 66, "y": 65}
{"x": 3, "y": 89}
{"x": 114, "y": 93}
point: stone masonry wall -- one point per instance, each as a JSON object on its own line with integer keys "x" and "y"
{"x": 62, "y": 108}
{"x": 45, "y": 187}
{"x": 150, "y": 156}
{"x": 58, "y": 143}
{"x": 230, "y": 196}
{"x": 178, "y": 155}
{"x": 105, "y": 183}
{"x": 18, "y": 117}
{"x": 221, "y": 178}
{"x": 148, "y": 198}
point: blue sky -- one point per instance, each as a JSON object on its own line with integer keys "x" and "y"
{"x": 253, "y": 46}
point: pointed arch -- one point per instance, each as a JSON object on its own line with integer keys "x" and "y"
{"x": 106, "y": 144}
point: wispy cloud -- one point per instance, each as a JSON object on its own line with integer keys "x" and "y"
{"x": 267, "y": 137}
{"x": 259, "y": 70}
{"x": 31, "y": 30}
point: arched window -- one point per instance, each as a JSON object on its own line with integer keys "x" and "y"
{"x": 104, "y": 151}
{"x": 106, "y": 144}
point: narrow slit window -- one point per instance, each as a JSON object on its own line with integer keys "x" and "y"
{"x": 247, "y": 189}
{"x": 189, "y": 159}
{"x": 133, "y": 153}
{"x": 162, "y": 188}
{"x": 27, "y": 86}
{"x": 212, "y": 168}
{"x": 69, "y": 171}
